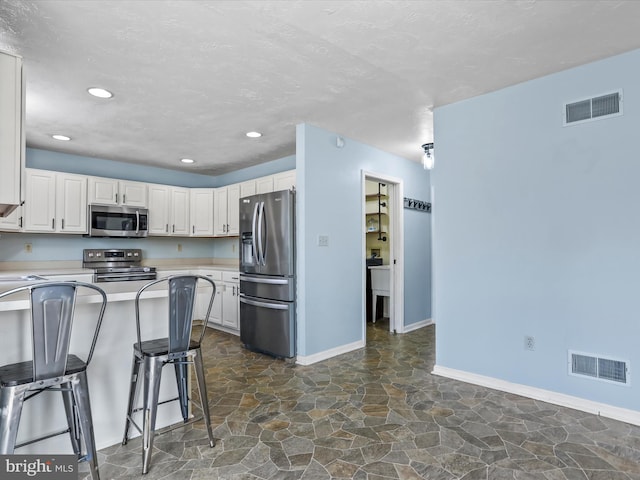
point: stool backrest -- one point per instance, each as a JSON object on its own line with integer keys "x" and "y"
{"x": 52, "y": 311}
{"x": 182, "y": 291}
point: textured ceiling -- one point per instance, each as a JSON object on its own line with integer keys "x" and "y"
{"x": 191, "y": 77}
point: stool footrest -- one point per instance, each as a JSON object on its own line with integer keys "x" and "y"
{"x": 44, "y": 437}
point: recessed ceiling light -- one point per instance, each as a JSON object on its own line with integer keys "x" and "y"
{"x": 100, "y": 92}
{"x": 254, "y": 134}
{"x": 187, "y": 160}
{"x": 64, "y": 138}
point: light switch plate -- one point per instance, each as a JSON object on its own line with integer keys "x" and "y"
{"x": 323, "y": 240}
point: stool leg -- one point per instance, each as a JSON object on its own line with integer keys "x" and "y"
{"x": 80, "y": 388}
{"x": 11, "y": 400}
{"x": 182, "y": 374}
{"x": 133, "y": 388}
{"x": 202, "y": 388}
{"x": 152, "y": 373}
{"x": 72, "y": 420}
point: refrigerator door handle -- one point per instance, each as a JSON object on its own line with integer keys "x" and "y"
{"x": 261, "y": 260}
{"x": 270, "y": 281}
{"x": 253, "y": 232}
{"x": 255, "y": 303}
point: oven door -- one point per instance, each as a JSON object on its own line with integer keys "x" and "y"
{"x": 117, "y": 221}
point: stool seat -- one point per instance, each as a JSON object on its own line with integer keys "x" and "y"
{"x": 158, "y": 347}
{"x": 22, "y": 373}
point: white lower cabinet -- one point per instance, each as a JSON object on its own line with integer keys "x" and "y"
{"x": 231, "y": 300}
{"x": 225, "y": 309}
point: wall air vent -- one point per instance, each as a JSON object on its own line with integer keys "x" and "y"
{"x": 596, "y": 108}
{"x": 607, "y": 369}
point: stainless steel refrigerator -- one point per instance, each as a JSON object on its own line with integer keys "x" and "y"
{"x": 267, "y": 273}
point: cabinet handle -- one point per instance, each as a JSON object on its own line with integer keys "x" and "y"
{"x": 20, "y": 222}
{"x": 62, "y": 224}
{"x": 193, "y": 229}
{"x": 227, "y": 228}
{"x": 53, "y": 224}
{"x": 124, "y": 199}
{"x": 116, "y": 198}
{"x": 166, "y": 228}
{"x": 224, "y": 228}
{"x": 173, "y": 228}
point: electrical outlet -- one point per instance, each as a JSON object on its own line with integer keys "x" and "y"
{"x": 323, "y": 240}
{"x": 233, "y": 247}
{"x": 28, "y": 247}
{"x": 529, "y": 342}
{"x": 179, "y": 247}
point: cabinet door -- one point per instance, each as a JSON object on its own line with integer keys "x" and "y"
{"x": 180, "y": 211}
{"x": 11, "y": 129}
{"x": 12, "y": 223}
{"x": 264, "y": 184}
{"x": 247, "y": 188}
{"x": 284, "y": 181}
{"x": 103, "y": 191}
{"x": 220, "y": 211}
{"x": 233, "y": 209}
{"x": 40, "y": 201}
{"x": 201, "y": 212}
{"x": 230, "y": 305}
{"x": 159, "y": 200}
{"x": 71, "y": 203}
{"x": 132, "y": 193}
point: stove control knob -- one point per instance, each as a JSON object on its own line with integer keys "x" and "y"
{"x": 98, "y": 254}
{"x": 90, "y": 254}
{"x": 128, "y": 254}
{"x": 135, "y": 254}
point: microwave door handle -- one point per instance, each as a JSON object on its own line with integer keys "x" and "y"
{"x": 137, "y": 221}
{"x": 253, "y": 231}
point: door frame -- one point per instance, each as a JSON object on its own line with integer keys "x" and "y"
{"x": 396, "y": 249}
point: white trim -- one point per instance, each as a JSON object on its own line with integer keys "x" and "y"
{"x": 415, "y": 326}
{"x": 332, "y": 352}
{"x": 396, "y": 227}
{"x": 577, "y": 403}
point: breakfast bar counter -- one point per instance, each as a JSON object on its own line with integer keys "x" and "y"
{"x": 109, "y": 371}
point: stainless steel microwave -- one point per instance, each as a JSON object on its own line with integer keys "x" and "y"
{"x": 118, "y": 221}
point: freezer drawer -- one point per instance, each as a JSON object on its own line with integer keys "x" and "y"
{"x": 268, "y": 326}
{"x": 263, "y": 286}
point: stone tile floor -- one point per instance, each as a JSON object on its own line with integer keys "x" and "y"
{"x": 376, "y": 413}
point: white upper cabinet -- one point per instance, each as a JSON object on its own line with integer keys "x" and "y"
{"x": 109, "y": 191}
{"x": 248, "y": 188}
{"x": 55, "y": 202}
{"x": 264, "y": 184}
{"x": 12, "y": 222}
{"x": 11, "y": 131}
{"x": 168, "y": 210}
{"x": 159, "y": 210}
{"x": 226, "y": 215}
{"x": 180, "y": 211}
{"x": 284, "y": 180}
{"x": 201, "y": 212}
{"x": 220, "y": 214}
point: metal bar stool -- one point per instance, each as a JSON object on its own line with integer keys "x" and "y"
{"x": 51, "y": 368}
{"x": 181, "y": 348}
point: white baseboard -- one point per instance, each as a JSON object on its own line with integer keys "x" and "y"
{"x": 332, "y": 352}
{"x": 415, "y": 326}
{"x": 577, "y": 403}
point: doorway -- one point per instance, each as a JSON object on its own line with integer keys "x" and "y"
{"x": 382, "y": 250}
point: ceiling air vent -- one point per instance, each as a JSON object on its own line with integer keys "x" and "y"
{"x": 596, "y": 367}
{"x": 596, "y": 108}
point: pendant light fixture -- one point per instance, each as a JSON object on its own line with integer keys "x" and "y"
{"x": 428, "y": 159}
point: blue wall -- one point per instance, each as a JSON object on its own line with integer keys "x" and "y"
{"x": 330, "y": 295}
{"x": 69, "y": 247}
{"x": 536, "y": 232}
